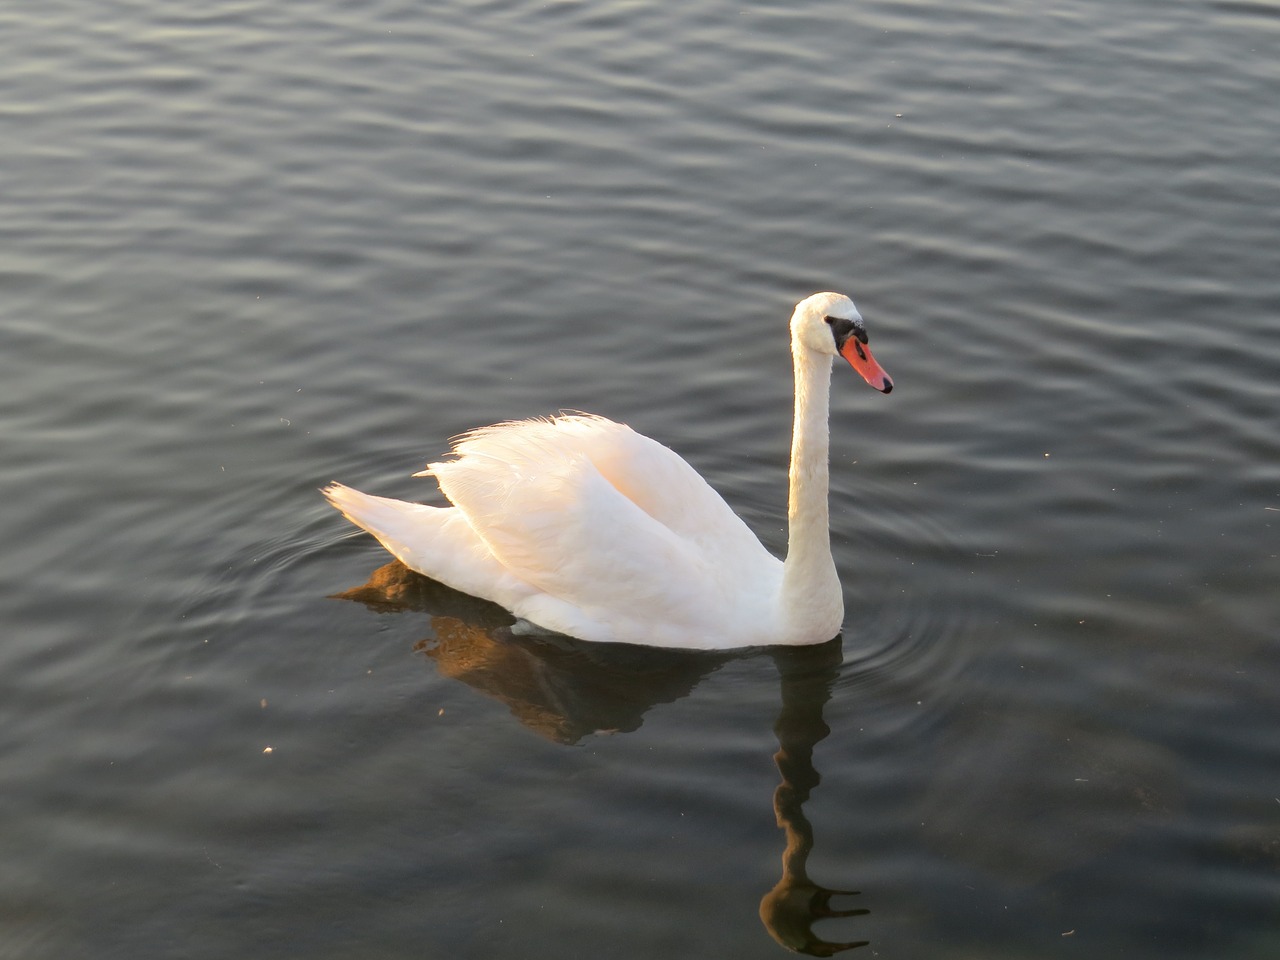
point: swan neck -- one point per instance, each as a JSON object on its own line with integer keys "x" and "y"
{"x": 811, "y": 595}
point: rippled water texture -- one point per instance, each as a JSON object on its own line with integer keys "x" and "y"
{"x": 249, "y": 248}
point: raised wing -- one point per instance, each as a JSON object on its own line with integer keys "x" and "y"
{"x": 604, "y": 520}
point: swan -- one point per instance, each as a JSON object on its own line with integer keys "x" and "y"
{"x": 581, "y": 526}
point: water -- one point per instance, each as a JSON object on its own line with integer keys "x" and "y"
{"x": 246, "y": 249}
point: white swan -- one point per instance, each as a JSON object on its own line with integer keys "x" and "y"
{"x": 584, "y": 527}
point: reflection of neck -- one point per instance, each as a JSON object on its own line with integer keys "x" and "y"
{"x": 795, "y": 763}
{"x": 811, "y": 599}
{"x": 796, "y": 902}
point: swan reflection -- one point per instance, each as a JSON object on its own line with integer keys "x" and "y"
{"x": 790, "y": 909}
{"x": 566, "y": 690}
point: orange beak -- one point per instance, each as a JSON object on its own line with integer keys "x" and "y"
{"x": 859, "y": 356}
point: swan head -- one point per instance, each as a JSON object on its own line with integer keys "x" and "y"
{"x": 829, "y": 324}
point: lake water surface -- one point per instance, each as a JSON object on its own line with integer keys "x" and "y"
{"x": 247, "y": 248}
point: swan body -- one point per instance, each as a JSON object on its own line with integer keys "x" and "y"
{"x": 581, "y": 526}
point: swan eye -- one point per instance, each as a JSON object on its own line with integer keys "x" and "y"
{"x": 842, "y": 328}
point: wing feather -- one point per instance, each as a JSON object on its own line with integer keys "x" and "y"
{"x": 599, "y": 518}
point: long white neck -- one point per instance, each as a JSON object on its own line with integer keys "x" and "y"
{"x": 811, "y": 601}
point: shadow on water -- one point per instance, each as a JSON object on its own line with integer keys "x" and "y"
{"x": 566, "y": 689}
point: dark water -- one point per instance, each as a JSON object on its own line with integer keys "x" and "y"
{"x": 249, "y": 248}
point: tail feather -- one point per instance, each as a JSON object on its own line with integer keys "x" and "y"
{"x": 395, "y": 523}
{"x": 435, "y": 541}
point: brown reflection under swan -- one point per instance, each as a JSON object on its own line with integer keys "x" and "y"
{"x": 566, "y": 690}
